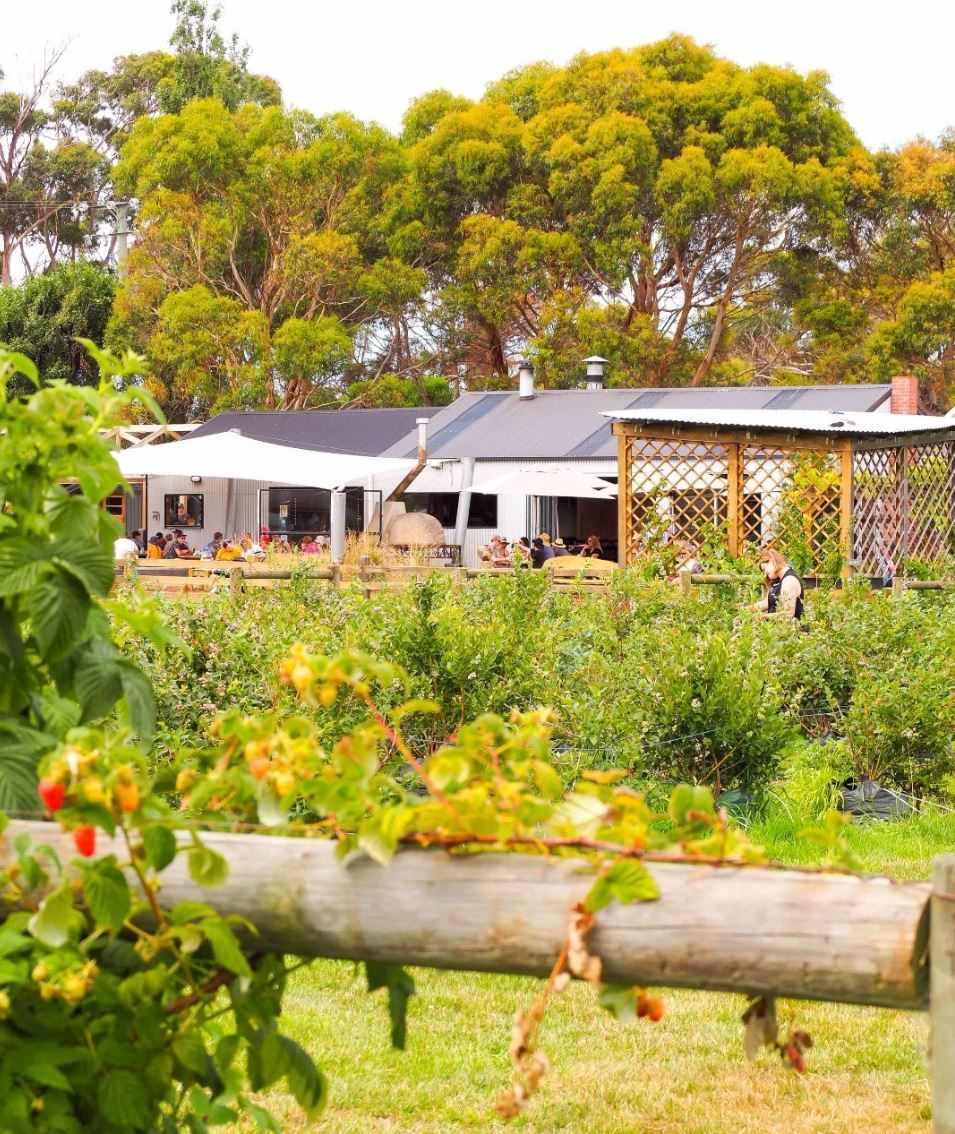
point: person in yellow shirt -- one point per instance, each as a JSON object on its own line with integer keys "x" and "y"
{"x": 228, "y": 552}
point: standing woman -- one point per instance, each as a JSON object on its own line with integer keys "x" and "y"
{"x": 784, "y": 587}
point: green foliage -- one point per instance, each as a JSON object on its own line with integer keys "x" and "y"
{"x": 44, "y": 317}
{"x": 58, "y": 664}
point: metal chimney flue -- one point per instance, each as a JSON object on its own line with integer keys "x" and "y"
{"x": 525, "y": 379}
{"x": 595, "y": 372}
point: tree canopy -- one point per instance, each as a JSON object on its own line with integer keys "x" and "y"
{"x": 690, "y": 219}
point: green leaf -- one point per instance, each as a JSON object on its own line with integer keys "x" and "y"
{"x": 189, "y": 1049}
{"x": 400, "y": 989}
{"x": 58, "y": 611}
{"x": 48, "y": 1076}
{"x": 91, "y": 564}
{"x": 20, "y": 751}
{"x": 626, "y": 881}
{"x": 183, "y": 912}
{"x": 620, "y": 1000}
{"x": 97, "y": 680}
{"x": 55, "y": 920}
{"x": 305, "y": 1081}
{"x": 124, "y": 1101}
{"x": 139, "y": 698}
{"x": 225, "y": 947}
{"x": 107, "y": 893}
{"x": 160, "y": 844}
{"x": 207, "y": 867}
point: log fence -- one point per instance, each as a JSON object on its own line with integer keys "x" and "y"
{"x": 201, "y": 578}
{"x": 852, "y": 939}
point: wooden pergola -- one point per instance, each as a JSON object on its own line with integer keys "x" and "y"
{"x": 871, "y": 490}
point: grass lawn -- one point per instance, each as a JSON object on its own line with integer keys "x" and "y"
{"x": 685, "y": 1075}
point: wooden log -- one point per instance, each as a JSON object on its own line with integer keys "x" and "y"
{"x": 943, "y": 995}
{"x": 855, "y": 939}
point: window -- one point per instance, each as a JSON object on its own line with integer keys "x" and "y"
{"x": 308, "y": 511}
{"x": 183, "y": 510}
{"x": 444, "y": 507}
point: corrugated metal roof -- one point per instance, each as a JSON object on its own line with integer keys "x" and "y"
{"x": 567, "y": 423}
{"x": 794, "y": 421}
{"x": 364, "y": 432}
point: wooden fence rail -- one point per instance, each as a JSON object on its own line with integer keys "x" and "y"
{"x": 835, "y": 937}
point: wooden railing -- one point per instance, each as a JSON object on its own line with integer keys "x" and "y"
{"x": 853, "y": 939}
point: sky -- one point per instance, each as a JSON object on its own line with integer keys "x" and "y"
{"x": 890, "y": 64}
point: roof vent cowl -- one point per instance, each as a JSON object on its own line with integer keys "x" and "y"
{"x": 595, "y": 372}
{"x": 525, "y": 379}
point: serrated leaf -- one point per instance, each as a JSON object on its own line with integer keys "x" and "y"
{"x": 47, "y": 1076}
{"x": 626, "y": 881}
{"x": 89, "y": 563}
{"x": 183, "y": 912}
{"x": 140, "y": 699}
{"x": 207, "y": 867}
{"x": 305, "y": 1081}
{"x": 54, "y": 921}
{"x": 124, "y": 1101}
{"x": 160, "y": 844}
{"x": 107, "y": 894}
{"x": 58, "y": 611}
{"x": 20, "y": 751}
{"x": 189, "y": 1049}
{"x": 400, "y": 990}
{"x": 225, "y": 947}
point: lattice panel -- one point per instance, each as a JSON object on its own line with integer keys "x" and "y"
{"x": 930, "y": 488}
{"x": 877, "y": 511}
{"x": 676, "y": 490}
{"x": 791, "y": 499}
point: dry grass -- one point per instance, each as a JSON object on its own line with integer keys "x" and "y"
{"x": 686, "y": 1075}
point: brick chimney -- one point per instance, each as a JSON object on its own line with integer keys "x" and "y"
{"x": 905, "y": 394}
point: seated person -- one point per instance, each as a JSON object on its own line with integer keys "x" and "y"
{"x": 228, "y": 552}
{"x": 688, "y": 563}
{"x": 560, "y": 548}
{"x": 178, "y": 549}
{"x": 540, "y": 552}
{"x": 310, "y": 546}
{"x": 210, "y": 549}
{"x": 592, "y": 549}
{"x": 125, "y": 548}
{"x": 498, "y": 550}
{"x": 282, "y": 545}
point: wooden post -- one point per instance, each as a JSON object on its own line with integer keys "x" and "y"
{"x": 336, "y": 576}
{"x": 898, "y": 586}
{"x": 686, "y": 583}
{"x": 363, "y": 562}
{"x": 845, "y": 510}
{"x": 236, "y": 578}
{"x": 624, "y": 497}
{"x": 734, "y": 500}
{"x": 942, "y": 1007}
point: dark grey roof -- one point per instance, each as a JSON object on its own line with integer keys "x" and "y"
{"x": 567, "y": 423}
{"x": 365, "y": 432}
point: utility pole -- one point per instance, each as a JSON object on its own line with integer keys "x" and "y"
{"x": 122, "y": 233}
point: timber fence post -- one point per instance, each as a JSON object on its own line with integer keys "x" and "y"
{"x": 336, "y": 576}
{"x": 686, "y": 583}
{"x": 363, "y": 562}
{"x": 942, "y": 994}
{"x": 235, "y": 582}
{"x": 898, "y": 586}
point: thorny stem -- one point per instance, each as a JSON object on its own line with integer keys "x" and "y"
{"x": 407, "y": 755}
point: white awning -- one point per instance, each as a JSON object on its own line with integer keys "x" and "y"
{"x": 242, "y": 458}
{"x": 544, "y": 481}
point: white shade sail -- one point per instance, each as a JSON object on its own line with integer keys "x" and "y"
{"x": 242, "y": 458}
{"x": 544, "y": 481}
